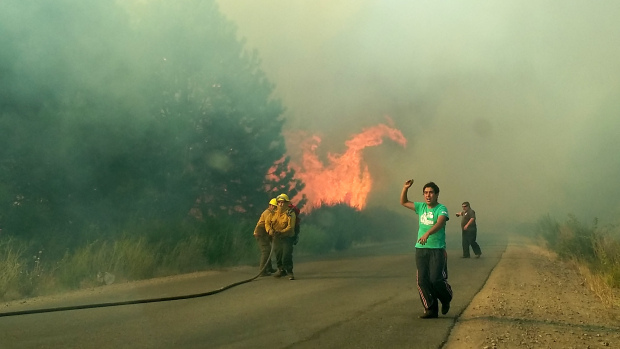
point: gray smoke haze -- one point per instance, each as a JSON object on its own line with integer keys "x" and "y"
{"x": 510, "y": 105}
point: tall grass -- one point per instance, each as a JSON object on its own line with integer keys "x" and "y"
{"x": 128, "y": 258}
{"x": 185, "y": 256}
{"x": 596, "y": 250}
{"x": 10, "y": 267}
{"x": 145, "y": 250}
{"x": 607, "y": 252}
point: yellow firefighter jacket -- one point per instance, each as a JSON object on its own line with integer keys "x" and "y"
{"x": 281, "y": 222}
{"x": 260, "y": 226}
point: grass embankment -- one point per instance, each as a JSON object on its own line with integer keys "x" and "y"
{"x": 594, "y": 250}
{"x": 29, "y": 269}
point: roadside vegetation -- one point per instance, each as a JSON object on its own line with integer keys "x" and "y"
{"x": 29, "y": 270}
{"x": 121, "y": 160}
{"x": 594, "y": 250}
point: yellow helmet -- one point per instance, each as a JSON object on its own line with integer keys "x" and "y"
{"x": 273, "y": 202}
{"x": 282, "y": 197}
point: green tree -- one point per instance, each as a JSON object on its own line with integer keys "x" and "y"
{"x": 216, "y": 88}
{"x": 114, "y": 113}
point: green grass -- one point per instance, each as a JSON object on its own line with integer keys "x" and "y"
{"x": 129, "y": 258}
{"x": 124, "y": 259}
{"x": 10, "y": 267}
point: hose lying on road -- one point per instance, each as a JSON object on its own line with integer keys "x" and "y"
{"x": 137, "y": 301}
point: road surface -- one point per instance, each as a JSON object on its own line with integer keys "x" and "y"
{"x": 363, "y": 298}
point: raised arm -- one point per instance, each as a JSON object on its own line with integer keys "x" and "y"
{"x": 403, "y": 195}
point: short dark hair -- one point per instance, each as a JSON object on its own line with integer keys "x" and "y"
{"x": 431, "y": 185}
{"x": 466, "y": 203}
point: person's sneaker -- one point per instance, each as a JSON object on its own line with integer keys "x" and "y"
{"x": 445, "y": 308}
{"x": 429, "y": 314}
{"x": 291, "y": 276}
{"x": 265, "y": 273}
{"x": 280, "y": 273}
{"x": 271, "y": 270}
{"x": 478, "y": 255}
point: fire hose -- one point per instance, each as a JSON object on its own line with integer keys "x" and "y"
{"x": 138, "y": 301}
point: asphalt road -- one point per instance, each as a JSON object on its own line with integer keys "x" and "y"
{"x": 363, "y": 298}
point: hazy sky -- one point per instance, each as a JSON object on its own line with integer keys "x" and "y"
{"x": 511, "y": 105}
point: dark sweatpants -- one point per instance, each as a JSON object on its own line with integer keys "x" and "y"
{"x": 469, "y": 239}
{"x": 432, "y": 277}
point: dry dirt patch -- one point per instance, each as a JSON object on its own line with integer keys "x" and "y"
{"x": 534, "y": 300}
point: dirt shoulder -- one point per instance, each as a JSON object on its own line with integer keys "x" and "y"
{"x": 534, "y": 300}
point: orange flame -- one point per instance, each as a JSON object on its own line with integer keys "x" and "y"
{"x": 346, "y": 179}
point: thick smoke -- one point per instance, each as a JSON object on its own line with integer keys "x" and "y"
{"x": 509, "y": 105}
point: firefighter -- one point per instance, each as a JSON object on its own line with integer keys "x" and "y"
{"x": 263, "y": 239}
{"x": 281, "y": 227}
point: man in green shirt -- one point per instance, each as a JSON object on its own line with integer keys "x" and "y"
{"x": 430, "y": 253}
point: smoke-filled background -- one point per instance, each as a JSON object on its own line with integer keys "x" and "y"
{"x": 145, "y": 138}
{"x": 124, "y": 111}
{"x": 510, "y": 105}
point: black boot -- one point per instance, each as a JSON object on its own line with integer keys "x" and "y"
{"x": 280, "y": 273}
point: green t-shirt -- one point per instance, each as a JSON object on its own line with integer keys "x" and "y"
{"x": 428, "y": 218}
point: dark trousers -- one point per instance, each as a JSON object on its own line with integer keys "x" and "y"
{"x": 432, "y": 277}
{"x": 283, "y": 250}
{"x": 469, "y": 239}
{"x": 264, "y": 245}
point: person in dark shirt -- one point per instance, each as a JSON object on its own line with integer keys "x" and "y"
{"x": 469, "y": 230}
